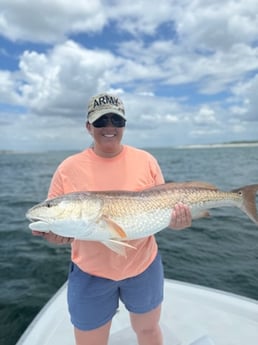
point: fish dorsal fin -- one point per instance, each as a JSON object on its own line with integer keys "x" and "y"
{"x": 182, "y": 185}
{"x": 201, "y": 184}
{"x": 114, "y": 227}
{"x": 190, "y": 184}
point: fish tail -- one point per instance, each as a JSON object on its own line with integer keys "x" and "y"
{"x": 249, "y": 201}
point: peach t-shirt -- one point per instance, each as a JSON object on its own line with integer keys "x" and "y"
{"x": 132, "y": 170}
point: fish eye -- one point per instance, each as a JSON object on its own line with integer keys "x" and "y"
{"x": 48, "y": 204}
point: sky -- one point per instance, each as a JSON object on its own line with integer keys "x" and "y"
{"x": 186, "y": 70}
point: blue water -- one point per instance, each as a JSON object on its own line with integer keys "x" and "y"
{"x": 219, "y": 252}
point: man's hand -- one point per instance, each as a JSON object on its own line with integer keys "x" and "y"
{"x": 181, "y": 217}
{"x": 53, "y": 238}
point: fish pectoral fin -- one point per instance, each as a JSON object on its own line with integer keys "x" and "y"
{"x": 118, "y": 246}
{"x": 40, "y": 226}
{"x": 114, "y": 227}
{"x": 203, "y": 214}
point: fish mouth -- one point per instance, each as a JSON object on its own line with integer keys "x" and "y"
{"x": 34, "y": 219}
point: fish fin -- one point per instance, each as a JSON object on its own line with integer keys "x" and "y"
{"x": 204, "y": 214}
{"x": 40, "y": 226}
{"x": 199, "y": 184}
{"x": 114, "y": 227}
{"x": 188, "y": 184}
{"x": 118, "y": 246}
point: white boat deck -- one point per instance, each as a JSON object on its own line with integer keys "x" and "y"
{"x": 191, "y": 315}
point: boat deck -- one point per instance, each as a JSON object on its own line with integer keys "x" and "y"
{"x": 191, "y": 315}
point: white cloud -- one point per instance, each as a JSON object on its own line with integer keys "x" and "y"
{"x": 49, "y": 20}
{"x": 186, "y": 70}
{"x": 59, "y": 82}
{"x": 206, "y": 116}
{"x": 217, "y": 25}
{"x": 142, "y": 16}
{"x": 8, "y": 87}
{"x": 247, "y": 92}
{"x": 37, "y": 133}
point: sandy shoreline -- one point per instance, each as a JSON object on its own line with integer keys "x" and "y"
{"x": 197, "y": 146}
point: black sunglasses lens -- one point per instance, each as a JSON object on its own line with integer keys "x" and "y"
{"x": 103, "y": 121}
{"x": 117, "y": 121}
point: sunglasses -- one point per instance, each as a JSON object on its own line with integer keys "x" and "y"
{"x": 103, "y": 121}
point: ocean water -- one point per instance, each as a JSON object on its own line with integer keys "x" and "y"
{"x": 220, "y": 252}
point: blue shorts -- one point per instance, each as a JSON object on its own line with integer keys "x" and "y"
{"x": 93, "y": 301}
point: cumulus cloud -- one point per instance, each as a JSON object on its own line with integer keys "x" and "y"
{"x": 49, "y": 20}
{"x": 247, "y": 93}
{"x": 60, "y": 81}
{"x": 217, "y": 25}
{"x": 180, "y": 67}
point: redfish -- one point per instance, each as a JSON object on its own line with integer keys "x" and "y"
{"x": 116, "y": 217}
